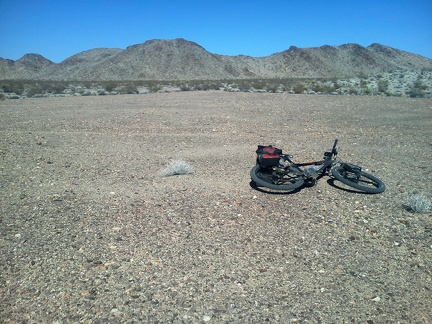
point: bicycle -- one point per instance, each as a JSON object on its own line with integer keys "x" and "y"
{"x": 278, "y": 171}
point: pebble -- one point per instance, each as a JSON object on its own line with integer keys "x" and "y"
{"x": 206, "y": 318}
{"x": 115, "y": 311}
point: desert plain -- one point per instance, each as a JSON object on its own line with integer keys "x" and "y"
{"x": 91, "y": 232}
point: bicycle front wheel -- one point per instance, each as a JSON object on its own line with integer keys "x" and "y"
{"x": 266, "y": 178}
{"x": 358, "y": 179}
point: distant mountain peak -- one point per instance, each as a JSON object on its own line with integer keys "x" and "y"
{"x": 92, "y": 55}
{"x": 180, "y": 59}
{"x": 32, "y": 57}
{"x": 167, "y": 42}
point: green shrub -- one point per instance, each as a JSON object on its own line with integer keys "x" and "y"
{"x": 299, "y": 88}
{"x": 383, "y": 85}
{"x": 13, "y": 86}
{"x": 272, "y": 87}
{"x": 214, "y": 86}
{"x": 417, "y": 90}
{"x": 155, "y": 87}
{"x": 56, "y": 87}
{"x": 110, "y": 86}
{"x": 87, "y": 84}
{"x": 258, "y": 84}
{"x": 353, "y": 91}
{"x": 185, "y": 87}
{"x": 328, "y": 88}
{"x": 33, "y": 90}
{"x": 316, "y": 87}
{"x": 130, "y": 89}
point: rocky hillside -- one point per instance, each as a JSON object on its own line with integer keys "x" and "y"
{"x": 180, "y": 59}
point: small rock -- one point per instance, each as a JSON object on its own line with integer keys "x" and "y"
{"x": 115, "y": 311}
{"x": 206, "y": 318}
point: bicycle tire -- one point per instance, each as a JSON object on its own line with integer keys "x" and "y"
{"x": 263, "y": 178}
{"x": 366, "y": 182}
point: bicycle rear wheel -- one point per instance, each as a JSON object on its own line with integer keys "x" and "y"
{"x": 358, "y": 179}
{"x": 266, "y": 178}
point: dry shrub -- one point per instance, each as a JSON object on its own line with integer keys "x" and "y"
{"x": 176, "y": 167}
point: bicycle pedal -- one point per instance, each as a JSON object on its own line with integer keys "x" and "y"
{"x": 311, "y": 182}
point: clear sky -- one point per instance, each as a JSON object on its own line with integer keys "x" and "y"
{"x": 58, "y": 29}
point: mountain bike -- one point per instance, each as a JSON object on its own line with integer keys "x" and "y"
{"x": 278, "y": 171}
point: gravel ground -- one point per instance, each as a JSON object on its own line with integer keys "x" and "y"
{"x": 92, "y": 233}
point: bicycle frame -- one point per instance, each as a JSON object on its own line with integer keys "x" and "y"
{"x": 324, "y": 165}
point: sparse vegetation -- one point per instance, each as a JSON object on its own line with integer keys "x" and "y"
{"x": 130, "y": 88}
{"x": 417, "y": 90}
{"x": 353, "y": 91}
{"x": 185, "y": 87}
{"x": 317, "y": 87}
{"x": 367, "y": 91}
{"x": 155, "y": 87}
{"x": 16, "y": 87}
{"x": 299, "y": 88}
{"x": 418, "y": 203}
{"x": 110, "y": 86}
{"x": 415, "y": 84}
{"x": 176, "y": 167}
{"x": 383, "y": 85}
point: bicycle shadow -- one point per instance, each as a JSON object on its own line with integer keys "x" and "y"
{"x": 272, "y": 191}
{"x": 334, "y": 183}
{"x": 331, "y": 182}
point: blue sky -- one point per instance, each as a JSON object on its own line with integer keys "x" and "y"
{"x": 59, "y": 29}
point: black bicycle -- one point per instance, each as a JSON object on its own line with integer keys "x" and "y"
{"x": 278, "y": 171}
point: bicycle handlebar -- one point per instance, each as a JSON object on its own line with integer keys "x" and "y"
{"x": 334, "y": 147}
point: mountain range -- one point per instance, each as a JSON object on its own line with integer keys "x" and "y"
{"x": 180, "y": 59}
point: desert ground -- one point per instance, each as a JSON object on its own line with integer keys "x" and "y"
{"x": 92, "y": 233}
